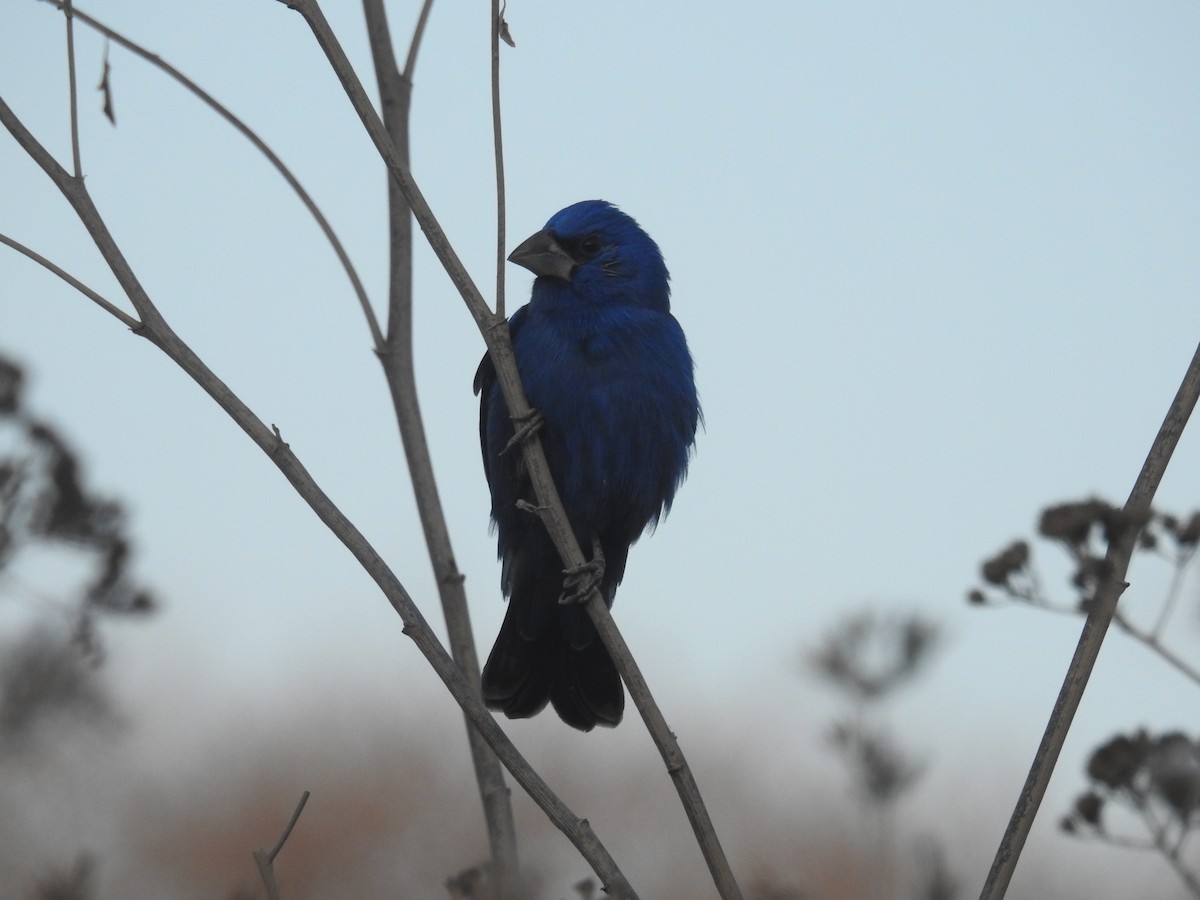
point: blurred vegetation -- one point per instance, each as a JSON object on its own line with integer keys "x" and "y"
{"x": 64, "y": 563}
{"x": 869, "y": 659}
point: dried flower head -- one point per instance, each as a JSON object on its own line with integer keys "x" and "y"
{"x": 868, "y": 656}
{"x": 1174, "y": 768}
{"x": 1009, "y": 561}
{"x": 1116, "y": 763}
{"x": 1072, "y": 523}
{"x": 1088, "y": 808}
{"x": 1189, "y": 534}
{"x": 11, "y": 377}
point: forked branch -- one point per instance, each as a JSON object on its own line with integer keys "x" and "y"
{"x": 265, "y": 859}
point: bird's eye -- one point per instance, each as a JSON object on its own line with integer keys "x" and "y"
{"x": 589, "y": 246}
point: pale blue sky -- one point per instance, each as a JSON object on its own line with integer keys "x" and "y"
{"x": 936, "y": 262}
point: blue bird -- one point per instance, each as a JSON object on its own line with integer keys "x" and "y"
{"x": 607, "y": 367}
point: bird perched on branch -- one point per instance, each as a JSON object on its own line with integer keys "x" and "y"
{"x": 606, "y": 367}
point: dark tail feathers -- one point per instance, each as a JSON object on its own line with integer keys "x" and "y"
{"x": 573, "y": 673}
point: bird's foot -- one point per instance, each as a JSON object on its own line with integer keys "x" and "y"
{"x": 526, "y": 426}
{"x": 579, "y": 581}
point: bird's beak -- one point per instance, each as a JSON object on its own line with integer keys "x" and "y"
{"x": 542, "y": 255}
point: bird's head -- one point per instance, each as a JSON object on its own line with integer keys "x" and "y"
{"x": 599, "y": 251}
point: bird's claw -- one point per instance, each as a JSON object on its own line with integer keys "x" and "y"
{"x": 579, "y": 581}
{"x": 527, "y": 426}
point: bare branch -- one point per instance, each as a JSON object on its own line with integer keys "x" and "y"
{"x": 74, "y": 190}
{"x": 1150, "y": 640}
{"x": 290, "y": 825}
{"x": 1181, "y": 561}
{"x": 1190, "y": 879}
{"x": 155, "y": 329}
{"x": 69, "y": 15}
{"x": 395, "y": 91}
{"x": 498, "y": 145}
{"x": 495, "y": 333}
{"x": 361, "y": 104}
{"x": 259, "y": 144}
{"x": 1013, "y": 573}
{"x": 266, "y": 861}
{"x": 1104, "y": 605}
{"x": 410, "y": 64}
{"x": 72, "y": 281}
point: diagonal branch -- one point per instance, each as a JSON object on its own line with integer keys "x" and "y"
{"x": 495, "y": 333}
{"x": 1104, "y": 605}
{"x": 72, "y": 281}
{"x": 156, "y": 330}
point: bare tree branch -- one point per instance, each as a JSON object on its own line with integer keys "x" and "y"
{"x": 1181, "y": 560}
{"x": 217, "y": 107}
{"x": 266, "y": 861}
{"x": 76, "y": 193}
{"x": 498, "y": 149}
{"x": 1171, "y": 854}
{"x": 396, "y": 356}
{"x": 72, "y": 281}
{"x": 155, "y": 329}
{"x": 410, "y": 64}
{"x": 1151, "y": 641}
{"x": 69, "y": 15}
{"x": 1116, "y": 565}
{"x": 495, "y": 333}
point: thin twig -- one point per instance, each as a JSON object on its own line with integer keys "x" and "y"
{"x": 69, "y": 15}
{"x": 72, "y": 281}
{"x": 396, "y": 357}
{"x": 75, "y": 191}
{"x": 1186, "y": 875}
{"x": 266, "y": 872}
{"x": 495, "y": 334}
{"x": 266, "y": 860}
{"x": 361, "y": 103}
{"x": 155, "y": 329}
{"x": 1140, "y": 845}
{"x": 290, "y": 825}
{"x": 498, "y": 147}
{"x": 1152, "y": 643}
{"x": 1147, "y": 638}
{"x": 410, "y": 64}
{"x": 1171, "y": 854}
{"x": 1180, "y": 563}
{"x": 259, "y": 144}
{"x": 1104, "y": 605}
